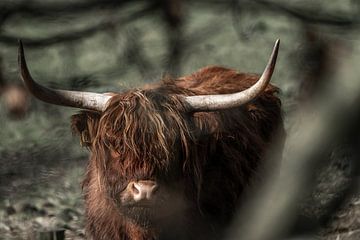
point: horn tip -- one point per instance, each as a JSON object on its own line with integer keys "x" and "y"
{"x": 20, "y": 45}
{"x": 275, "y": 52}
{"x": 20, "y": 52}
{"x": 277, "y": 44}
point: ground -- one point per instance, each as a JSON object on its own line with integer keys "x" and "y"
{"x": 57, "y": 203}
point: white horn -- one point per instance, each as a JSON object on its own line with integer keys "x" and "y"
{"x": 77, "y": 99}
{"x": 223, "y": 101}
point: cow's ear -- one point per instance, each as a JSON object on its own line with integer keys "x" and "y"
{"x": 85, "y": 125}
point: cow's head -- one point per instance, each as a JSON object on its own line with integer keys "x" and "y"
{"x": 141, "y": 141}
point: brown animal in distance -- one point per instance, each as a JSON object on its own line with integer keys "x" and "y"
{"x": 14, "y": 98}
{"x": 171, "y": 161}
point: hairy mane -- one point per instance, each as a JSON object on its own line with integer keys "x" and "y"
{"x": 143, "y": 125}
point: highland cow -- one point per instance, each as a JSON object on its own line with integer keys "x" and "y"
{"x": 171, "y": 160}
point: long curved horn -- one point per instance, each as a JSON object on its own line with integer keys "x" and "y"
{"x": 77, "y": 99}
{"x": 223, "y": 101}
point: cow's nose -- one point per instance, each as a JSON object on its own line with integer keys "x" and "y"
{"x": 142, "y": 190}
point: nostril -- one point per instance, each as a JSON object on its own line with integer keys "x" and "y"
{"x": 148, "y": 188}
{"x": 135, "y": 188}
{"x": 154, "y": 188}
{"x": 142, "y": 190}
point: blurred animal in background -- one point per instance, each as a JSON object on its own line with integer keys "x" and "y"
{"x": 171, "y": 160}
{"x": 14, "y": 97}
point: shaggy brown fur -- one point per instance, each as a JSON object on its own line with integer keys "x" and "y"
{"x": 203, "y": 160}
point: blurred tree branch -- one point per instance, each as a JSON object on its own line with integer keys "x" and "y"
{"x": 350, "y": 20}
{"x": 75, "y": 35}
{"x": 28, "y": 8}
{"x": 315, "y": 17}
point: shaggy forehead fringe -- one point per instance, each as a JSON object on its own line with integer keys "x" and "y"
{"x": 142, "y": 127}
